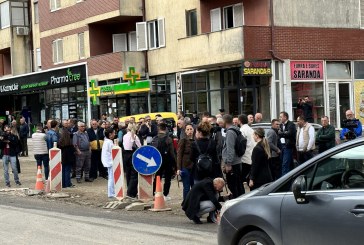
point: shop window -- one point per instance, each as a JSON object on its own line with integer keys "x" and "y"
{"x": 214, "y": 80}
{"x": 191, "y": 22}
{"x": 231, "y": 77}
{"x": 359, "y": 69}
{"x": 72, "y": 93}
{"x": 201, "y": 80}
{"x": 315, "y": 92}
{"x": 338, "y": 70}
{"x": 150, "y": 34}
{"x": 57, "y": 47}
{"x": 4, "y": 15}
{"x": 187, "y": 83}
{"x": 81, "y": 45}
{"x": 55, "y": 5}
{"x": 202, "y": 102}
{"x": 189, "y": 102}
{"x": 215, "y": 100}
{"x": 171, "y": 82}
{"x": 81, "y": 94}
{"x": 119, "y": 42}
{"x": 64, "y": 94}
{"x": 36, "y": 12}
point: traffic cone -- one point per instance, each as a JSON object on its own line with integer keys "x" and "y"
{"x": 159, "y": 203}
{"x": 39, "y": 186}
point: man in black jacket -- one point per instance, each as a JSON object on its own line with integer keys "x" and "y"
{"x": 287, "y": 141}
{"x": 96, "y": 137}
{"x": 202, "y": 199}
{"x": 23, "y": 134}
{"x": 325, "y": 137}
{"x": 8, "y": 144}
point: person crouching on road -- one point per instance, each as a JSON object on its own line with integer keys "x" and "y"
{"x": 106, "y": 159}
{"x": 203, "y": 198}
{"x": 9, "y": 144}
{"x": 130, "y": 143}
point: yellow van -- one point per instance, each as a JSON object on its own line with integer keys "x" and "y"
{"x": 165, "y": 115}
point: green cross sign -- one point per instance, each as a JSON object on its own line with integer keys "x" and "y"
{"x": 132, "y": 76}
{"x": 94, "y": 92}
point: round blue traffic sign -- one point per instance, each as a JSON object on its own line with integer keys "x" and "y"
{"x": 147, "y": 160}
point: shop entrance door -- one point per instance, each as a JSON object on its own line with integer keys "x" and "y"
{"x": 339, "y": 101}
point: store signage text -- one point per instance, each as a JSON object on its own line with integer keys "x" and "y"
{"x": 133, "y": 86}
{"x": 34, "y": 85}
{"x": 307, "y": 70}
{"x": 70, "y": 77}
{"x": 9, "y": 88}
{"x": 257, "y": 68}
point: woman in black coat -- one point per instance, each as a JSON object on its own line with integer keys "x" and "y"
{"x": 206, "y": 145}
{"x": 260, "y": 172}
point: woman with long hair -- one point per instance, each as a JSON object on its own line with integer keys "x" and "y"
{"x": 68, "y": 153}
{"x": 184, "y": 163}
{"x": 260, "y": 172}
{"x": 130, "y": 143}
{"x": 204, "y": 145}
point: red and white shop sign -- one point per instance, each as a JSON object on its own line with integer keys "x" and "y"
{"x": 307, "y": 70}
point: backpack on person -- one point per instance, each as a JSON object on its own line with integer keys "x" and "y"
{"x": 204, "y": 160}
{"x": 161, "y": 144}
{"x": 240, "y": 143}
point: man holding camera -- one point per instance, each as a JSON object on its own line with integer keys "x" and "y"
{"x": 8, "y": 144}
{"x": 355, "y": 129}
{"x": 306, "y": 106}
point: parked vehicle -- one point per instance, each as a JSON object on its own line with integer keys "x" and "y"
{"x": 319, "y": 202}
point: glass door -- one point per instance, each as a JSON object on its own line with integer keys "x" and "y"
{"x": 339, "y": 101}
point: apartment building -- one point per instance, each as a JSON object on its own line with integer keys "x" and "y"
{"x": 261, "y": 56}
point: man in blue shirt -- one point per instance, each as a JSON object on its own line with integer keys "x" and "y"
{"x": 52, "y": 135}
{"x": 357, "y": 131}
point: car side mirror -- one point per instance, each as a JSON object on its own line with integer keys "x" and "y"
{"x": 299, "y": 188}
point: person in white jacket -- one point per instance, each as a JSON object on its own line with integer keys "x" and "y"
{"x": 248, "y": 133}
{"x": 106, "y": 159}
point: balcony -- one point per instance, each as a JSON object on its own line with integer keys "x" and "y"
{"x": 222, "y": 47}
{"x": 131, "y": 8}
{"x": 116, "y": 62}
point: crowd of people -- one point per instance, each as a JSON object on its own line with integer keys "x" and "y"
{"x": 212, "y": 151}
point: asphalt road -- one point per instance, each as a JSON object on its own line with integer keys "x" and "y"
{"x": 34, "y": 221}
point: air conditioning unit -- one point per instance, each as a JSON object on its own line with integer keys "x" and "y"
{"x": 22, "y": 31}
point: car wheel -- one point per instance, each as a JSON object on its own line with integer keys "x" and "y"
{"x": 256, "y": 238}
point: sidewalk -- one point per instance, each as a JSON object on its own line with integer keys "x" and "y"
{"x": 86, "y": 193}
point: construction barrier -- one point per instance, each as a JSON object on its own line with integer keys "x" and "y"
{"x": 118, "y": 171}
{"x": 55, "y": 165}
{"x": 145, "y": 187}
{"x": 39, "y": 185}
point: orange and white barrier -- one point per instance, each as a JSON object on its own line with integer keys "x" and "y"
{"x": 39, "y": 185}
{"x": 118, "y": 171}
{"x": 55, "y": 165}
{"x": 145, "y": 186}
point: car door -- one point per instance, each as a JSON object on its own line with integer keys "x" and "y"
{"x": 334, "y": 212}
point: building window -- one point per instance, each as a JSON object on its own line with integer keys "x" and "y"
{"x": 150, "y": 34}
{"x": 36, "y": 12}
{"x": 4, "y": 15}
{"x": 119, "y": 42}
{"x": 338, "y": 70}
{"x": 19, "y": 14}
{"x": 361, "y": 13}
{"x": 57, "y": 48}
{"x": 81, "y": 45}
{"x": 55, "y": 5}
{"x": 132, "y": 41}
{"x": 191, "y": 22}
{"x": 233, "y": 16}
{"x": 39, "y": 59}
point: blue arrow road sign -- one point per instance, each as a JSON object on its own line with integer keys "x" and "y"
{"x": 147, "y": 160}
